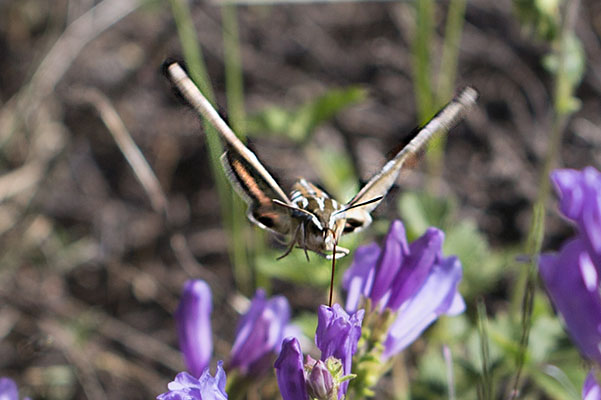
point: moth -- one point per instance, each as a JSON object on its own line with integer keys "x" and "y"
{"x": 313, "y": 220}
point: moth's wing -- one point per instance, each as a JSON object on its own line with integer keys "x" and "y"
{"x": 358, "y": 218}
{"x": 254, "y": 184}
{"x": 252, "y": 181}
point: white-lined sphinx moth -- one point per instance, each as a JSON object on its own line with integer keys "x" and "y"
{"x": 314, "y": 220}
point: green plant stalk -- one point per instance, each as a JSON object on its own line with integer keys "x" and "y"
{"x": 563, "y": 91}
{"x": 235, "y": 104}
{"x": 560, "y": 119}
{"x": 420, "y": 52}
{"x": 450, "y": 51}
{"x": 422, "y": 70}
{"x": 486, "y": 385}
{"x": 237, "y": 385}
{"x": 198, "y": 72}
{"x": 234, "y": 86}
{"x": 446, "y": 79}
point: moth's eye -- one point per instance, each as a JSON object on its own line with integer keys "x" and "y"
{"x": 351, "y": 225}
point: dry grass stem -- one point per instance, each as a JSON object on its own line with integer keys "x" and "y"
{"x": 128, "y": 147}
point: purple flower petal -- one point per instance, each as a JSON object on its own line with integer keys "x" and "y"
{"x": 572, "y": 283}
{"x": 193, "y": 319}
{"x": 437, "y": 296}
{"x": 186, "y": 387}
{"x": 457, "y": 305}
{"x": 391, "y": 258}
{"x": 337, "y": 336}
{"x": 591, "y": 389}
{"x": 580, "y": 201}
{"x": 424, "y": 253}
{"x": 358, "y": 279}
{"x": 289, "y": 371}
{"x": 8, "y": 389}
{"x": 260, "y": 334}
{"x": 571, "y": 196}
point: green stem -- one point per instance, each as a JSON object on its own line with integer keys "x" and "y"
{"x": 486, "y": 383}
{"x": 446, "y": 79}
{"x": 422, "y": 75}
{"x": 563, "y": 92}
{"x": 450, "y": 51}
{"x": 198, "y": 72}
{"x": 234, "y": 88}
{"x": 421, "y": 58}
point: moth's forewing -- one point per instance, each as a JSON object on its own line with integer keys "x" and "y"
{"x": 257, "y": 192}
{"x": 252, "y": 181}
{"x": 358, "y": 218}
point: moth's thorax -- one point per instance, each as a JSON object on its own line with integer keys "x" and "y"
{"x": 314, "y": 200}
{"x": 326, "y": 226}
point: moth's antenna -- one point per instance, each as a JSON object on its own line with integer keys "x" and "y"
{"x": 364, "y": 203}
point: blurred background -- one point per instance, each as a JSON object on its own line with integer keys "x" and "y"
{"x": 94, "y": 252}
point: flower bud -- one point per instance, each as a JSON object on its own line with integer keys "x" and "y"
{"x": 193, "y": 318}
{"x": 320, "y": 383}
{"x": 260, "y": 333}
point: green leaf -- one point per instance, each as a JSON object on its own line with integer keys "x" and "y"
{"x": 420, "y": 211}
{"x": 554, "y": 382}
{"x": 307, "y": 322}
{"x": 481, "y": 266}
{"x": 295, "y": 268}
{"x": 543, "y": 16}
{"x": 544, "y": 335}
{"x": 299, "y": 124}
{"x": 335, "y": 170}
{"x": 574, "y": 59}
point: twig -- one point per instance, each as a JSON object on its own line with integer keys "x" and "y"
{"x": 21, "y": 179}
{"x": 35, "y": 297}
{"x": 128, "y": 147}
{"x": 60, "y": 57}
{"x": 80, "y": 357}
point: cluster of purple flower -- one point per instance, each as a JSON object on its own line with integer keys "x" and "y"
{"x": 571, "y": 277}
{"x": 8, "y": 390}
{"x": 402, "y": 288}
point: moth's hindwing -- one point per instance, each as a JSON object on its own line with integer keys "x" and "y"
{"x": 257, "y": 193}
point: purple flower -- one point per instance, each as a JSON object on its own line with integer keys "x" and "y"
{"x": 591, "y": 389}
{"x": 186, "y": 387}
{"x": 315, "y": 380}
{"x": 572, "y": 283}
{"x": 393, "y": 274}
{"x": 580, "y": 200}
{"x": 571, "y": 277}
{"x": 337, "y": 336}
{"x": 414, "y": 280}
{"x": 289, "y": 371}
{"x": 193, "y": 318}
{"x": 8, "y": 389}
{"x": 437, "y": 296}
{"x": 260, "y": 333}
